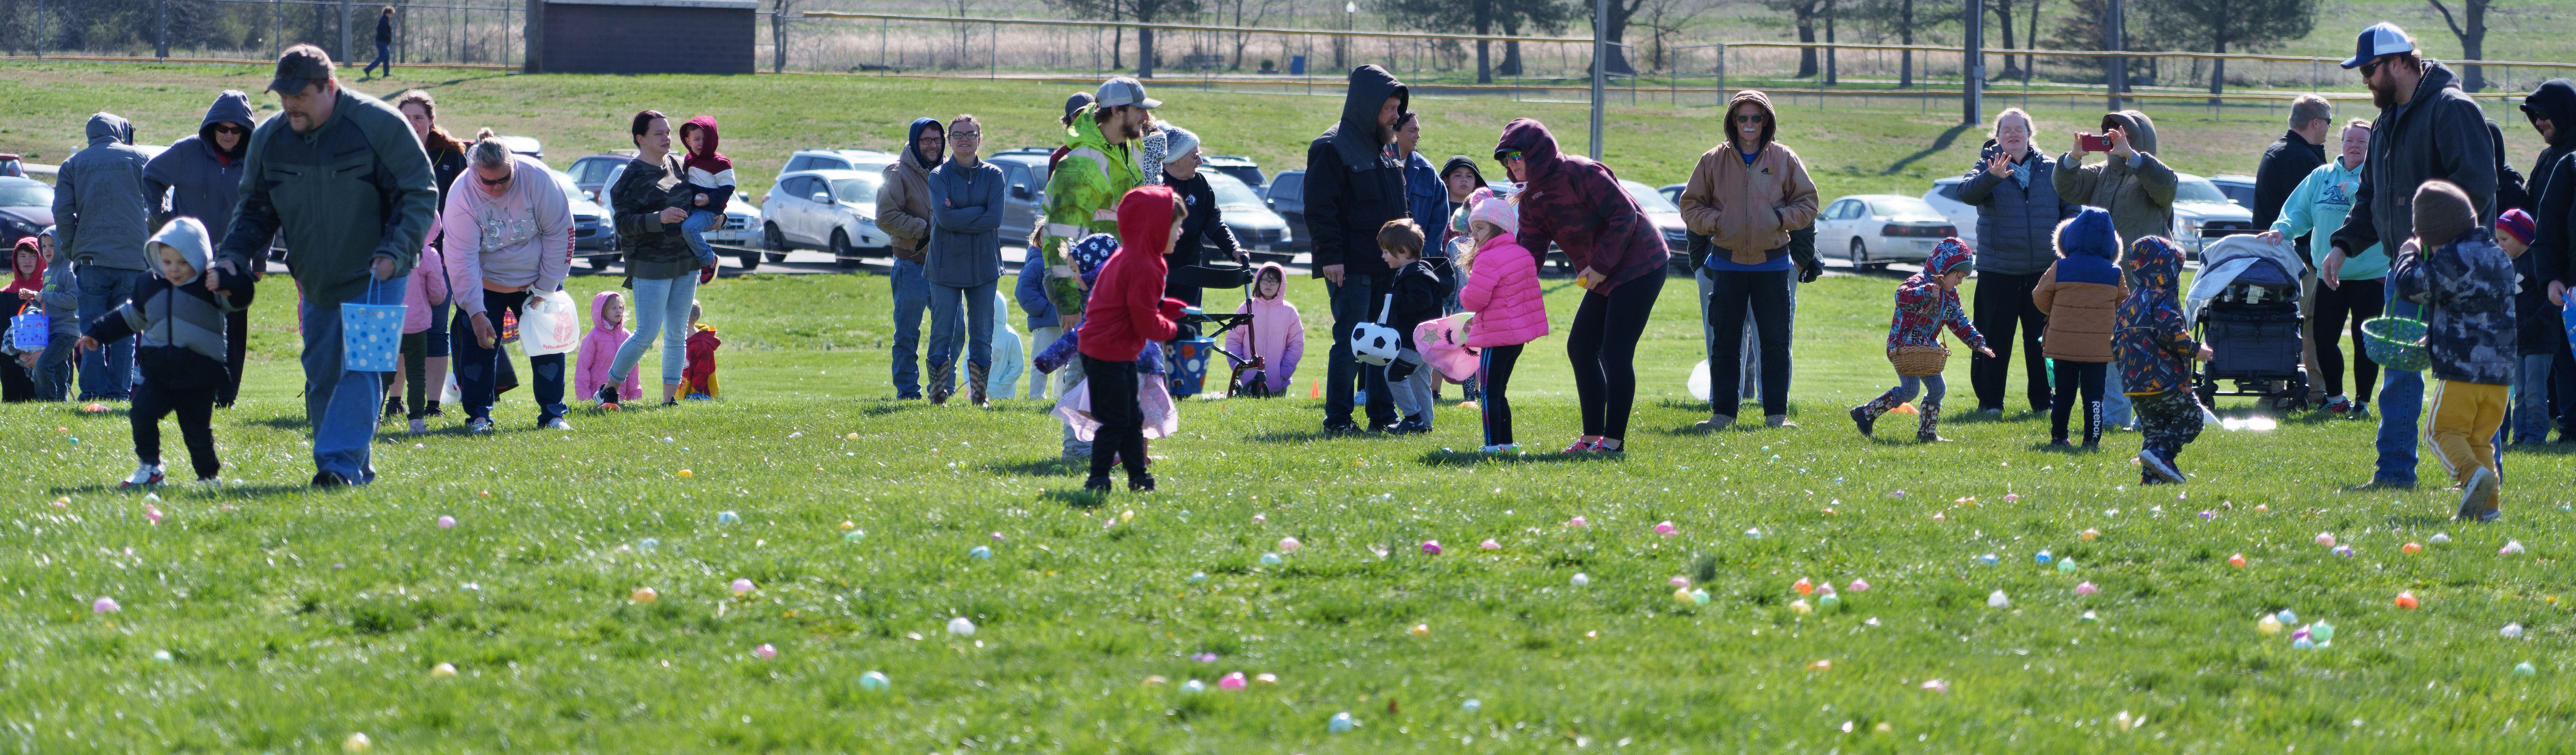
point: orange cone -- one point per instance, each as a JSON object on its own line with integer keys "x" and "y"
{"x": 1316, "y": 390}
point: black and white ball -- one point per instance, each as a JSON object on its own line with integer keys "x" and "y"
{"x": 1375, "y": 344}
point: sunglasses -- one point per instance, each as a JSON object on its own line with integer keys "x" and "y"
{"x": 2371, "y": 68}
{"x": 227, "y": 128}
{"x": 493, "y": 181}
{"x": 1749, "y": 118}
{"x": 1508, "y": 155}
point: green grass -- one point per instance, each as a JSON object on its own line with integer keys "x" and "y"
{"x": 291, "y": 618}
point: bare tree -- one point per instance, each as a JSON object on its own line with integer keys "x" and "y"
{"x": 1664, "y": 20}
{"x": 1805, "y": 13}
{"x": 2473, "y": 40}
{"x": 1259, "y": 12}
{"x": 779, "y": 12}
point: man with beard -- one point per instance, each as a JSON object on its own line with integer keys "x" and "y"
{"x": 2427, "y": 129}
{"x": 1354, "y": 185}
{"x": 1082, "y": 194}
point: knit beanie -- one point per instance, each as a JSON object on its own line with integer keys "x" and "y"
{"x": 1484, "y": 207}
{"x": 2089, "y": 234}
{"x": 2518, "y": 224}
{"x": 2442, "y": 213}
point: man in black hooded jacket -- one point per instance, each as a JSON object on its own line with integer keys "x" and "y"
{"x": 2546, "y": 267}
{"x": 1354, "y": 184}
{"x": 200, "y": 177}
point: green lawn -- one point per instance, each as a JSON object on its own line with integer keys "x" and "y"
{"x": 267, "y": 618}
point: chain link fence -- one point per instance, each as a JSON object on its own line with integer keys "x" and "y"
{"x": 445, "y": 33}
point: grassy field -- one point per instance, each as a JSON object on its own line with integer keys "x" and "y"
{"x": 265, "y": 617}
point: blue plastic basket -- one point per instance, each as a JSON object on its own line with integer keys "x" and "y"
{"x": 371, "y": 337}
{"x": 33, "y": 331}
{"x": 1190, "y": 365}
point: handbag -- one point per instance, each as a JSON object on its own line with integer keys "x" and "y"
{"x": 1920, "y": 361}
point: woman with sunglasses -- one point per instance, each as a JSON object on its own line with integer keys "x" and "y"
{"x": 1747, "y": 196}
{"x": 1578, "y": 205}
{"x": 508, "y": 227}
{"x": 200, "y": 177}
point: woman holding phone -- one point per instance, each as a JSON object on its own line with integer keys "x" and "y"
{"x": 1578, "y": 205}
{"x": 1747, "y": 196}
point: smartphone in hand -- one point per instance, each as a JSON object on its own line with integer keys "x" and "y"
{"x": 2094, "y": 142}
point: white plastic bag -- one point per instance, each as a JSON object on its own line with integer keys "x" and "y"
{"x": 1699, "y": 381}
{"x": 451, "y": 395}
{"x": 549, "y": 325}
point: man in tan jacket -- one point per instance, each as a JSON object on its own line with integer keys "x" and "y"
{"x": 903, "y": 212}
{"x": 1747, "y": 195}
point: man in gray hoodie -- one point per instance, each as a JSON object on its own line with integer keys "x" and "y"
{"x": 200, "y": 177}
{"x": 100, "y": 222}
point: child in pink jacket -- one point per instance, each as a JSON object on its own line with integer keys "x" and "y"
{"x": 1502, "y": 289}
{"x": 599, "y": 348}
{"x": 1277, "y": 334}
{"x": 415, "y": 390}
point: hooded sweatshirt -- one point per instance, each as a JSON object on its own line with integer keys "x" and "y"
{"x": 423, "y": 292}
{"x": 2140, "y": 196}
{"x": 1277, "y": 334}
{"x": 1091, "y": 178}
{"x": 21, "y": 278}
{"x": 522, "y": 238}
{"x": 1128, "y": 310}
{"x": 2438, "y": 133}
{"x": 202, "y": 181}
{"x": 1354, "y": 179}
{"x": 2081, "y": 293}
{"x": 61, "y": 295}
{"x": 1746, "y": 210}
{"x": 100, "y": 215}
{"x": 2151, "y": 341}
{"x": 699, "y": 378}
{"x": 903, "y": 201}
{"x": 2552, "y": 193}
{"x": 1578, "y": 205}
{"x": 599, "y": 350}
{"x": 2466, "y": 287}
{"x": 706, "y": 171}
{"x": 180, "y": 322}
{"x": 1923, "y": 307}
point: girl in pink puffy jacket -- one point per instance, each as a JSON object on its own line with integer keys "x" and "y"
{"x": 1502, "y": 289}
{"x": 599, "y": 348}
{"x": 1277, "y": 334}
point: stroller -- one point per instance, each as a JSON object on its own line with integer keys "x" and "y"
{"x": 1201, "y": 332}
{"x": 2245, "y": 306}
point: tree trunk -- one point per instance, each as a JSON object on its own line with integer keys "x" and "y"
{"x": 1484, "y": 49}
{"x": 1144, "y": 51}
{"x": 1806, "y": 33}
{"x": 1905, "y": 33}
{"x": 1511, "y": 50}
{"x": 778, "y": 36}
{"x": 1830, "y": 64}
{"x": 2218, "y": 66}
{"x": 2003, "y": 13}
{"x": 1615, "y": 32}
{"x": 2030, "y": 63}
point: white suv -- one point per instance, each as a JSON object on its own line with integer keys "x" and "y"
{"x": 861, "y": 160}
{"x": 834, "y": 210}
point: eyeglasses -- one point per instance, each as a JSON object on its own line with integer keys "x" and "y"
{"x": 227, "y": 128}
{"x": 493, "y": 181}
{"x": 1749, "y": 118}
{"x": 966, "y": 136}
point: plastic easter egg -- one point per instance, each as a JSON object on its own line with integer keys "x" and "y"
{"x": 1289, "y": 545}
{"x": 742, "y": 586}
{"x": 2511, "y": 631}
{"x": 152, "y": 514}
{"x": 1341, "y": 723}
{"x": 1988, "y": 559}
{"x": 2066, "y": 566}
{"x": 2439, "y": 538}
{"x": 104, "y": 605}
{"x": 1827, "y": 600}
{"x": 2267, "y": 625}
{"x": 1472, "y": 704}
{"x": 442, "y": 670}
{"x": 1754, "y": 533}
{"x": 2406, "y": 600}
{"x": 2237, "y": 560}
{"x": 2410, "y": 548}
{"x": 1581, "y": 579}
{"x": 2206, "y": 515}
{"x": 728, "y": 517}
{"x": 687, "y": 473}
{"x": 1267, "y": 678}
{"x": 1233, "y": 681}
{"x": 1270, "y": 559}
{"x": 874, "y": 681}
{"x": 1998, "y": 600}
{"x": 2326, "y": 539}
{"x": 2303, "y": 643}
{"x": 2089, "y": 533}
{"x": 2087, "y": 618}
{"x": 2525, "y": 669}
{"x": 447, "y": 522}
{"x": 765, "y": 651}
{"x": 961, "y": 626}
{"x": 1800, "y": 607}
{"x": 1700, "y": 597}
{"x": 1858, "y": 585}
{"x": 1490, "y": 545}
{"x": 1803, "y": 586}
{"x": 1430, "y": 547}
{"x": 1666, "y": 528}
{"x": 644, "y": 595}
{"x": 1682, "y": 595}
{"x": 1577, "y": 522}
{"x": 2042, "y": 558}
{"x": 2321, "y": 632}
{"x": 357, "y": 741}
{"x": 649, "y": 543}
{"x": 2343, "y": 550}
{"x": 853, "y": 536}
{"x": 1936, "y": 685}
{"x": 1421, "y": 630}
{"x": 1194, "y": 686}
{"x": 2086, "y": 588}
{"x": 1678, "y": 581}
{"x": 2011, "y": 497}
{"x": 1198, "y": 577}
{"x": 2511, "y": 547}
{"x": 2287, "y": 616}
{"x": 1260, "y": 519}
{"x": 981, "y": 553}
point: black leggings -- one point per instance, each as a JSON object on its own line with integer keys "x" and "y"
{"x": 1603, "y": 346}
{"x": 1122, "y": 421}
{"x": 2357, "y": 300}
{"x": 2004, "y": 307}
{"x": 1730, "y": 293}
{"x": 2073, "y": 378}
{"x": 1497, "y": 373}
{"x": 196, "y": 409}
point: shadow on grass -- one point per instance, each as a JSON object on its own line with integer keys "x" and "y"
{"x": 1077, "y": 498}
{"x": 1939, "y": 145}
{"x": 1472, "y": 458}
{"x": 2420, "y": 520}
{"x": 282, "y": 422}
{"x": 1046, "y": 467}
{"x": 177, "y": 487}
{"x": 2069, "y": 449}
{"x": 1303, "y": 436}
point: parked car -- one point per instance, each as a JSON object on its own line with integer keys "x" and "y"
{"x": 741, "y": 227}
{"x": 2203, "y": 214}
{"x": 833, "y": 210}
{"x": 2239, "y": 189}
{"x": 12, "y": 167}
{"x": 594, "y": 173}
{"x": 1872, "y": 230}
{"x": 1240, "y": 167}
{"x": 1254, "y": 225}
{"x": 1668, "y": 221}
{"x": 1024, "y": 203}
{"x": 524, "y": 145}
{"x": 1960, "y": 214}
{"x": 594, "y": 237}
{"x": 1287, "y": 199}
{"x": 26, "y": 206}
{"x": 862, "y": 160}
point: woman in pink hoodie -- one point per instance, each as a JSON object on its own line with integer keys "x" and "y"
{"x": 1277, "y": 334}
{"x": 1502, "y": 289}
{"x": 599, "y": 349}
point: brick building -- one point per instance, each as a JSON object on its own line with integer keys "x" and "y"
{"x": 641, "y": 36}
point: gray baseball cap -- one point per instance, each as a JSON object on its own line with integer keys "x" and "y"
{"x": 299, "y": 67}
{"x": 1125, "y": 91}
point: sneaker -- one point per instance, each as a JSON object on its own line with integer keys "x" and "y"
{"x": 1581, "y": 446}
{"x": 2490, "y": 516}
{"x": 1714, "y": 423}
{"x": 1861, "y": 418}
{"x": 1097, "y": 484}
{"x": 210, "y": 482}
{"x": 606, "y": 395}
{"x": 2360, "y": 410}
{"x": 431, "y": 410}
{"x": 1778, "y": 420}
{"x": 1991, "y": 413}
{"x": 2337, "y": 406}
{"x": 144, "y": 476}
{"x": 1142, "y": 483}
{"x": 1603, "y": 447}
{"x": 701, "y": 397}
{"x": 478, "y": 425}
{"x": 418, "y": 427}
{"x": 555, "y": 423}
{"x": 2156, "y": 465}
{"x": 2474, "y": 493}
{"x": 1340, "y": 427}
{"x": 329, "y": 479}
{"x": 1409, "y": 426}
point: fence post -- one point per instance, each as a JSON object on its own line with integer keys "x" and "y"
{"x": 161, "y": 43}
{"x": 1973, "y": 67}
{"x": 1721, "y": 73}
{"x": 1600, "y": 67}
{"x": 2115, "y": 40}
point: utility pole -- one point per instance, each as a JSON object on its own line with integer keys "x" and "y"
{"x": 1973, "y": 95}
{"x": 1600, "y": 58}
{"x": 161, "y": 48}
{"x": 2115, "y": 41}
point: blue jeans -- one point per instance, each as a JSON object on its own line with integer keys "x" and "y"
{"x": 948, "y": 318}
{"x": 53, "y": 373}
{"x": 661, "y": 307}
{"x": 911, "y": 296}
{"x": 108, "y": 373}
{"x": 341, "y": 404}
{"x": 2531, "y": 418}
{"x": 2115, "y": 405}
{"x": 1412, "y": 395}
{"x": 695, "y": 230}
{"x": 2401, "y": 407}
{"x": 384, "y": 57}
{"x": 476, "y": 366}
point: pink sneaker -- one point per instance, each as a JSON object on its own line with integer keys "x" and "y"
{"x": 1581, "y": 446}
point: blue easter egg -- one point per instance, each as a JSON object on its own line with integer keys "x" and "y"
{"x": 982, "y": 553}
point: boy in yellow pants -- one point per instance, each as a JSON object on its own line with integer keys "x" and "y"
{"x": 2465, "y": 282}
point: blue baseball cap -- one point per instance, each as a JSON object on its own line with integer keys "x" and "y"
{"x": 2381, "y": 38}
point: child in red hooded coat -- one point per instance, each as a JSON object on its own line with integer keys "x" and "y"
{"x": 1127, "y": 314}
{"x": 698, "y": 380}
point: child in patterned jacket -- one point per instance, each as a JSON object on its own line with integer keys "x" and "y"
{"x": 1925, "y": 304}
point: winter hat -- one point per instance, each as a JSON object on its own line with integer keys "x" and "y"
{"x": 2442, "y": 213}
{"x": 2089, "y": 233}
{"x": 1484, "y": 207}
{"x": 1090, "y": 253}
{"x": 2518, "y": 224}
{"x": 1951, "y": 255}
{"x": 1177, "y": 142}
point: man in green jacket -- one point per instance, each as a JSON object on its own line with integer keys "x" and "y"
{"x": 341, "y": 177}
{"x": 1083, "y": 190}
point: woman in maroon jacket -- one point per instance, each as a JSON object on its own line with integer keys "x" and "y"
{"x": 1578, "y": 204}
{"x": 1128, "y": 314}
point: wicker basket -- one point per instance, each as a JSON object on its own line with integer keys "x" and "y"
{"x": 1920, "y": 361}
{"x": 2396, "y": 343}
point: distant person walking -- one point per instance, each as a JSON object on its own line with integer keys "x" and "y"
{"x": 664, "y": 272}
{"x": 509, "y": 240}
{"x": 2014, "y": 188}
{"x": 2427, "y": 129}
{"x": 353, "y": 236}
{"x": 1577, "y": 204}
{"x": 1354, "y": 185}
{"x": 1746, "y": 195}
{"x": 200, "y": 177}
{"x": 384, "y": 43}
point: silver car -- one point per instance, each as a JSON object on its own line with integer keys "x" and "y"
{"x": 833, "y": 210}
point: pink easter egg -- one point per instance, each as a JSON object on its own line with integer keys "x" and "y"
{"x": 1231, "y": 681}
{"x": 1260, "y": 519}
{"x": 1289, "y": 545}
{"x": 105, "y": 606}
{"x": 765, "y": 651}
{"x": 2086, "y": 589}
{"x": 1431, "y": 547}
{"x": 447, "y": 522}
{"x": 742, "y": 585}
{"x": 1859, "y": 585}
{"x": 1577, "y": 522}
{"x": 2011, "y": 497}
{"x": 1679, "y": 581}
{"x": 1666, "y": 528}
{"x": 1490, "y": 545}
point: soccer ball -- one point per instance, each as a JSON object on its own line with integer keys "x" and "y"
{"x": 1375, "y": 344}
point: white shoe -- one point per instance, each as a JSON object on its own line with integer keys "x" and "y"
{"x": 557, "y": 423}
{"x": 210, "y": 482}
{"x": 418, "y": 427}
{"x": 145, "y": 474}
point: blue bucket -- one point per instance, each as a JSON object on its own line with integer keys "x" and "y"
{"x": 31, "y": 331}
{"x": 2568, "y": 316}
{"x": 1190, "y": 365}
{"x": 371, "y": 337}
